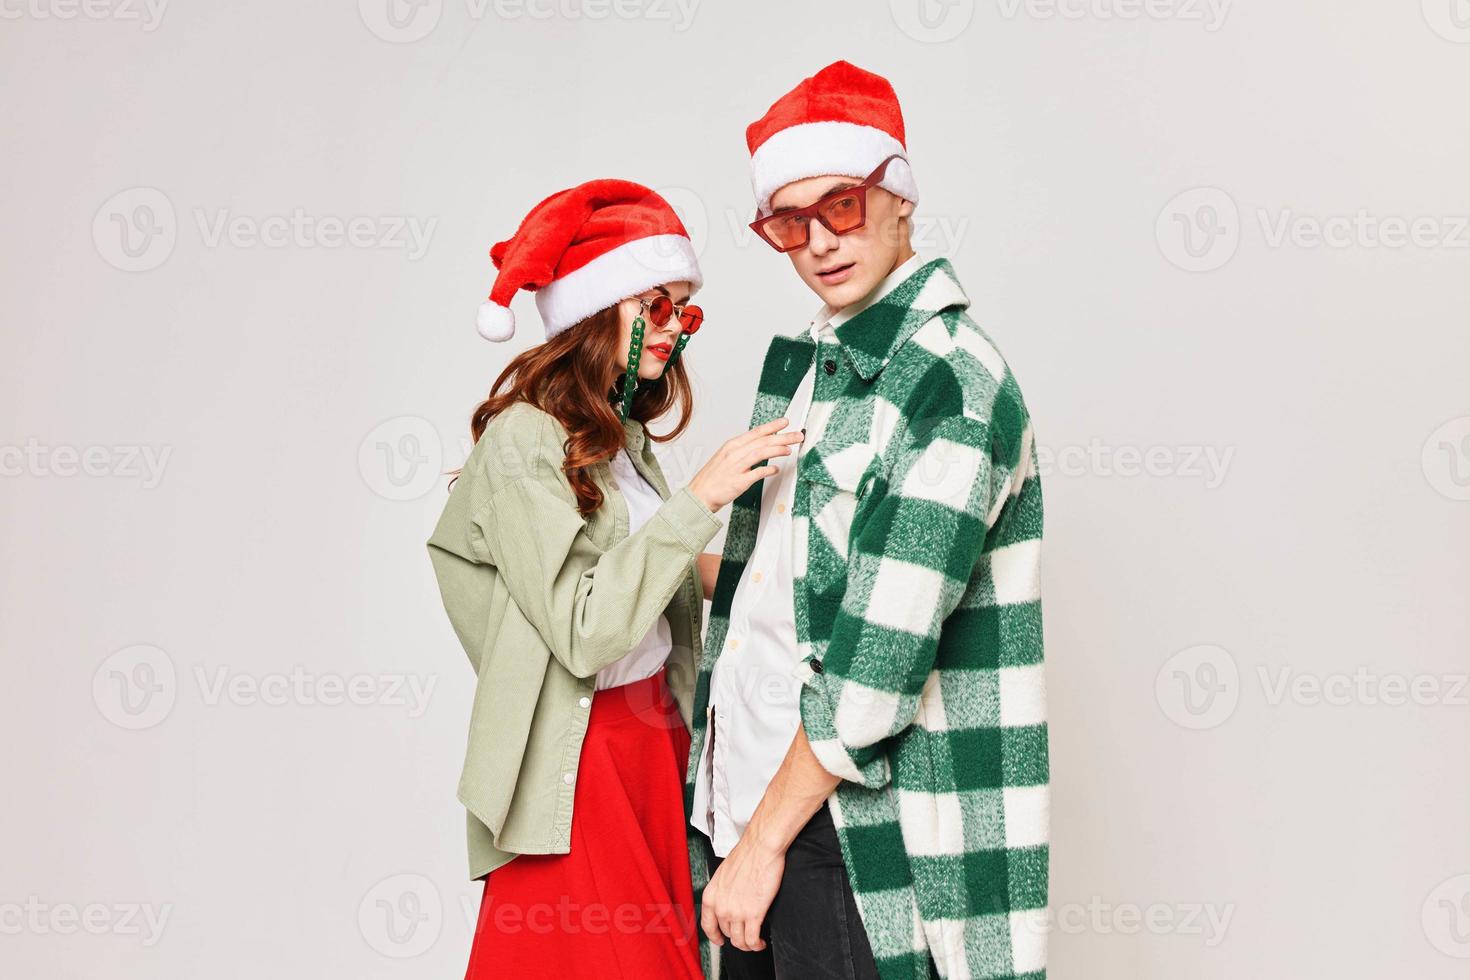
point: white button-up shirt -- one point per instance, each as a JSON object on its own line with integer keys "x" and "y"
{"x": 754, "y": 698}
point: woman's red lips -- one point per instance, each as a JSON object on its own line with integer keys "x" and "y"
{"x": 661, "y": 351}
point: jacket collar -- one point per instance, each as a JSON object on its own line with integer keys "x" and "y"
{"x": 634, "y": 435}
{"x": 871, "y": 337}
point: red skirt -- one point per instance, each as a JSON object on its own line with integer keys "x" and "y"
{"x": 620, "y": 905}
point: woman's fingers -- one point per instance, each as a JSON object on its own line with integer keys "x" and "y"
{"x": 732, "y": 470}
{"x": 770, "y": 447}
{"x": 759, "y": 473}
{"x": 764, "y": 429}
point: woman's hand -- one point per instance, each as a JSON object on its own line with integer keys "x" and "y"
{"x": 729, "y": 471}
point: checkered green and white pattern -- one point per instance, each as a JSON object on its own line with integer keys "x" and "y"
{"x": 917, "y": 530}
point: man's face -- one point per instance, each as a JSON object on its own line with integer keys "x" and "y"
{"x": 842, "y": 269}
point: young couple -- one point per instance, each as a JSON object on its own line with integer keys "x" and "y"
{"x": 846, "y": 777}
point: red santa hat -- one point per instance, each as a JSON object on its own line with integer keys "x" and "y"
{"x": 585, "y": 249}
{"x": 842, "y": 120}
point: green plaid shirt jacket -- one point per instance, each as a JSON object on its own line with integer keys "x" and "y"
{"x": 917, "y": 528}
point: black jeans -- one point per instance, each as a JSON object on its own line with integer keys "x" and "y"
{"x": 812, "y": 930}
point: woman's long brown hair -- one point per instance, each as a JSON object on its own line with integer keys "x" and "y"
{"x": 567, "y": 378}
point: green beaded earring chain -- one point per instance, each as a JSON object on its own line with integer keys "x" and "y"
{"x": 674, "y": 354}
{"x": 635, "y": 352}
{"x": 630, "y": 379}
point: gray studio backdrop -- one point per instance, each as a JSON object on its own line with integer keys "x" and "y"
{"x": 1224, "y": 245}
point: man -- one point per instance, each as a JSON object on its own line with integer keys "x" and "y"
{"x": 869, "y": 768}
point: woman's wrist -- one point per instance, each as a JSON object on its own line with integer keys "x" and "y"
{"x": 699, "y": 496}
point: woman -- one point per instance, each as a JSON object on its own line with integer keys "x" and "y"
{"x": 567, "y": 570}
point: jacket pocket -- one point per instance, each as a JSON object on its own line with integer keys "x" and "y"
{"x": 837, "y": 479}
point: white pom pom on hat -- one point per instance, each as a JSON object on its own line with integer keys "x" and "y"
{"x": 584, "y": 249}
{"x": 495, "y": 322}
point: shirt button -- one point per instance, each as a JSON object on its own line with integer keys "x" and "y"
{"x": 780, "y": 508}
{"x": 830, "y": 366}
{"x": 734, "y": 644}
{"x": 756, "y": 577}
{"x": 566, "y": 777}
{"x": 585, "y": 702}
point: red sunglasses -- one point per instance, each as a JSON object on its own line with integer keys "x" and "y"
{"x": 840, "y": 212}
{"x": 660, "y": 308}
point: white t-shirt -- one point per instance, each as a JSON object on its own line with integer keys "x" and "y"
{"x": 648, "y": 657}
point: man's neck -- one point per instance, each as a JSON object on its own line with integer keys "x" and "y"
{"x": 904, "y": 254}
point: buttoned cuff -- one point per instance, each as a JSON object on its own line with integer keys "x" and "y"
{"x": 693, "y": 522}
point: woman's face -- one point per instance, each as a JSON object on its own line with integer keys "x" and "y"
{"x": 658, "y": 342}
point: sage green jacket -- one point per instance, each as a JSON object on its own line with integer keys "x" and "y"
{"x": 541, "y": 599}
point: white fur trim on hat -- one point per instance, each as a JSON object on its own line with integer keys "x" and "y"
{"x": 495, "y": 322}
{"x": 625, "y": 271}
{"x": 819, "y": 148}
